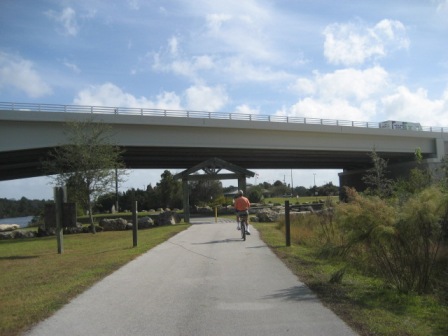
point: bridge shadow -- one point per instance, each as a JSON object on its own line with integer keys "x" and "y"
{"x": 296, "y": 293}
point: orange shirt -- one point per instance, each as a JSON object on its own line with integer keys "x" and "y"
{"x": 242, "y": 203}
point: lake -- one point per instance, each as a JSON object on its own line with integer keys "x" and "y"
{"x": 22, "y": 221}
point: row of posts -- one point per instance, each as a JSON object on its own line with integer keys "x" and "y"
{"x": 60, "y": 197}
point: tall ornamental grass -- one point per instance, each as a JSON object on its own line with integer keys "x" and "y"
{"x": 399, "y": 242}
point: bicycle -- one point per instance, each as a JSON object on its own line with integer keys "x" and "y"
{"x": 243, "y": 224}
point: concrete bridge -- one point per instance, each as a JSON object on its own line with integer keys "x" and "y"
{"x": 172, "y": 139}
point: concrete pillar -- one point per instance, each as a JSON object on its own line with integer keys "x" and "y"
{"x": 186, "y": 200}
{"x": 242, "y": 183}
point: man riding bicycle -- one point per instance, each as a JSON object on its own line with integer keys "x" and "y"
{"x": 242, "y": 206}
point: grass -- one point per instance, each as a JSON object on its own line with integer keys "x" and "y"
{"x": 368, "y": 305}
{"x": 36, "y": 281}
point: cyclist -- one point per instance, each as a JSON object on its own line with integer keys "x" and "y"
{"x": 242, "y": 206}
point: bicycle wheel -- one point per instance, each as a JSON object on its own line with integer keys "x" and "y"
{"x": 243, "y": 229}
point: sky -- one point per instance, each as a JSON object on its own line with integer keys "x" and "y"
{"x": 358, "y": 60}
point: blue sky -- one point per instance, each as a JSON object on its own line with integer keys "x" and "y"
{"x": 359, "y": 60}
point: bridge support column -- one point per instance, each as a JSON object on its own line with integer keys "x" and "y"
{"x": 186, "y": 200}
{"x": 353, "y": 179}
{"x": 242, "y": 183}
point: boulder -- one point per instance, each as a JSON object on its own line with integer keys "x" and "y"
{"x": 17, "y": 234}
{"x": 267, "y": 216}
{"x": 25, "y": 234}
{"x": 168, "y": 218}
{"x": 115, "y": 224}
{"x": 43, "y": 232}
{"x": 145, "y": 222}
{"x": 8, "y": 227}
{"x": 73, "y": 229}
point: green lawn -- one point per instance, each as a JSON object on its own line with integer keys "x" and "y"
{"x": 35, "y": 281}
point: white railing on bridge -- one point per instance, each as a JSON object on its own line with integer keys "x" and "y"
{"x": 194, "y": 114}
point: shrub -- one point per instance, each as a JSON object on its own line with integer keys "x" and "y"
{"x": 401, "y": 244}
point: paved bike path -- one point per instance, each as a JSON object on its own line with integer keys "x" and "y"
{"x": 204, "y": 281}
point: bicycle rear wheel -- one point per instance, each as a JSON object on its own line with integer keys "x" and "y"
{"x": 243, "y": 228}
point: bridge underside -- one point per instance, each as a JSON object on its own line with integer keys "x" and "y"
{"x": 27, "y": 163}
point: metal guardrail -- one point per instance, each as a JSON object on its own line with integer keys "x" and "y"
{"x": 194, "y": 114}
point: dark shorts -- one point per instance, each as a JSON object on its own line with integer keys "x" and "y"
{"x": 242, "y": 213}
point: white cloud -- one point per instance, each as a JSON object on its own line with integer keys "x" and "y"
{"x": 215, "y": 21}
{"x": 205, "y": 98}
{"x": 66, "y": 19}
{"x": 365, "y": 95}
{"x": 237, "y": 43}
{"x": 417, "y": 107}
{"x": 109, "y": 94}
{"x": 348, "y": 94}
{"x": 20, "y": 74}
{"x": 171, "y": 59}
{"x": 72, "y": 66}
{"x": 246, "y": 109}
{"x": 198, "y": 97}
{"x": 333, "y": 109}
{"x": 442, "y": 6}
{"x": 354, "y": 43}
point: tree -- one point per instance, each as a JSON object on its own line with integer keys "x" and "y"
{"x": 87, "y": 163}
{"x": 280, "y": 189}
{"x": 328, "y": 189}
{"x": 255, "y": 194}
{"x": 205, "y": 192}
{"x": 418, "y": 179}
{"x": 375, "y": 178}
{"x": 169, "y": 191}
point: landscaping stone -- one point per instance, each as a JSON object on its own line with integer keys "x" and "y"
{"x": 145, "y": 222}
{"x": 115, "y": 224}
{"x": 168, "y": 218}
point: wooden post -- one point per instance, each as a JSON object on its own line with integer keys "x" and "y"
{"x": 135, "y": 221}
{"x": 287, "y": 224}
{"x": 59, "y": 198}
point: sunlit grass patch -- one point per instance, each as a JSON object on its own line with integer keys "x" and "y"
{"x": 35, "y": 281}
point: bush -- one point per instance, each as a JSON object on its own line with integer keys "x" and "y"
{"x": 399, "y": 243}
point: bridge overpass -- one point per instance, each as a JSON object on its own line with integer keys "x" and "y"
{"x": 172, "y": 139}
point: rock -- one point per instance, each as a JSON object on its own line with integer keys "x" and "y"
{"x": 72, "y": 230}
{"x": 6, "y": 235}
{"x": 267, "y": 216}
{"x": 8, "y": 227}
{"x": 42, "y": 232}
{"x": 145, "y": 222}
{"x": 115, "y": 224}
{"x": 25, "y": 234}
{"x": 17, "y": 234}
{"x": 168, "y": 218}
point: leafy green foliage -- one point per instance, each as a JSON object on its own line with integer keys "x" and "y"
{"x": 21, "y": 208}
{"x": 375, "y": 179}
{"x": 88, "y": 164}
{"x": 255, "y": 194}
{"x": 400, "y": 243}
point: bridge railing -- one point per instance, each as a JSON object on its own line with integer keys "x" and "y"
{"x": 194, "y": 114}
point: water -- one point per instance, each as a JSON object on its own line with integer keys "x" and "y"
{"x": 22, "y": 221}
